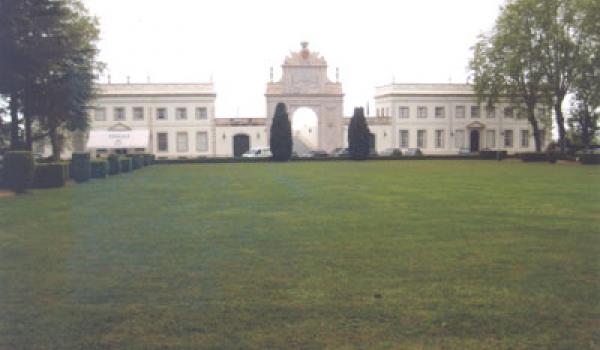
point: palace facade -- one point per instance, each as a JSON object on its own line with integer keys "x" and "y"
{"x": 179, "y": 120}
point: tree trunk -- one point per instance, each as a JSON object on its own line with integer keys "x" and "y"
{"x": 28, "y": 134}
{"x": 535, "y": 127}
{"x": 586, "y": 138}
{"x": 14, "y": 121}
{"x": 52, "y": 132}
{"x": 560, "y": 122}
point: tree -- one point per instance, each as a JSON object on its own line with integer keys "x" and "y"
{"x": 507, "y": 63}
{"x": 358, "y": 135}
{"x": 281, "y": 134}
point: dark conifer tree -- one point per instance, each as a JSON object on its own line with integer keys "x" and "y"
{"x": 358, "y": 135}
{"x": 281, "y": 134}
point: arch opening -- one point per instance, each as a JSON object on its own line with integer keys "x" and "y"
{"x": 305, "y": 131}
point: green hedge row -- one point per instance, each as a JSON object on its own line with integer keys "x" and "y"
{"x": 99, "y": 169}
{"x": 492, "y": 155}
{"x": 18, "y": 170}
{"x": 551, "y": 157}
{"x": 51, "y": 175}
{"x": 589, "y": 158}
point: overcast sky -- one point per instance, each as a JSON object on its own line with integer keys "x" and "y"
{"x": 237, "y": 41}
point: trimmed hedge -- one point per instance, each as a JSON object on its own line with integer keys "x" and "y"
{"x": 148, "y": 159}
{"x": 137, "y": 160}
{"x": 114, "y": 165}
{"x": 589, "y": 158}
{"x": 80, "y": 167}
{"x": 492, "y": 155}
{"x": 51, "y": 175}
{"x": 126, "y": 164}
{"x": 533, "y": 157}
{"x": 99, "y": 169}
{"x": 18, "y": 170}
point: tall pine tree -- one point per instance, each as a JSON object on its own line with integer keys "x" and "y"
{"x": 358, "y": 135}
{"x": 281, "y": 134}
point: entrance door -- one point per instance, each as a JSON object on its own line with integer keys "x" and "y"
{"x": 474, "y": 141}
{"x": 241, "y": 145}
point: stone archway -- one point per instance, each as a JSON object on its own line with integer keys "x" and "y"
{"x": 304, "y": 83}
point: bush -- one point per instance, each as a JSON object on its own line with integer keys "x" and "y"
{"x": 358, "y": 135}
{"x": 125, "y": 163}
{"x": 492, "y": 155}
{"x": 114, "y": 165}
{"x": 80, "y": 167}
{"x": 18, "y": 170}
{"x": 533, "y": 157}
{"x": 137, "y": 161}
{"x": 281, "y": 135}
{"x": 589, "y": 158}
{"x": 51, "y": 175}
{"x": 147, "y": 159}
{"x": 99, "y": 169}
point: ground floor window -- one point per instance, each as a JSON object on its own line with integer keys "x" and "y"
{"x": 163, "y": 141}
{"x": 525, "y": 138}
{"x": 201, "y": 141}
{"x": 459, "y": 139}
{"x": 439, "y": 139}
{"x": 403, "y": 138}
{"x": 490, "y": 139}
{"x": 421, "y": 138}
{"x": 182, "y": 142}
{"x": 508, "y": 138}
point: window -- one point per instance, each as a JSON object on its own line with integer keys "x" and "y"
{"x": 202, "y": 141}
{"x": 181, "y": 113}
{"x": 440, "y": 112}
{"x": 421, "y": 139}
{"x": 508, "y": 138}
{"x": 163, "y": 142}
{"x": 403, "y": 138}
{"x": 459, "y": 139}
{"x": 509, "y": 112}
{"x": 138, "y": 113}
{"x": 119, "y": 113}
{"x": 475, "y": 112}
{"x": 524, "y": 138}
{"x": 491, "y": 112}
{"x": 161, "y": 114}
{"x": 404, "y": 112}
{"x": 182, "y": 142}
{"x": 201, "y": 113}
{"x": 422, "y": 112}
{"x": 460, "y": 111}
{"x": 439, "y": 139}
{"x": 100, "y": 114}
{"x": 490, "y": 139}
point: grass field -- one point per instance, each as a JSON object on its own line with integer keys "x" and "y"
{"x": 340, "y": 255}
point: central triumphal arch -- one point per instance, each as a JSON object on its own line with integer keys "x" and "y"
{"x": 304, "y": 83}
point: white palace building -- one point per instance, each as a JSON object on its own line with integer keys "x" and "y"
{"x": 178, "y": 120}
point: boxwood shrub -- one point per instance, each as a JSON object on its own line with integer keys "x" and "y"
{"x": 114, "y": 165}
{"x": 18, "y": 170}
{"x": 148, "y": 159}
{"x": 51, "y": 175}
{"x": 589, "y": 158}
{"x": 99, "y": 169}
{"x": 137, "y": 160}
{"x": 80, "y": 167}
{"x": 125, "y": 163}
{"x": 492, "y": 155}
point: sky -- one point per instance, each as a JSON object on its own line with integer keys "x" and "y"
{"x": 235, "y": 42}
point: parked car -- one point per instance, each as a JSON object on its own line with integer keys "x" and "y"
{"x": 259, "y": 152}
{"x": 391, "y": 152}
{"x": 413, "y": 152}
{"x": 317, "y": 154}
{"x": 341, "y": 152}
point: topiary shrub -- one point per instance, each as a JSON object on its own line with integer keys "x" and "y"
{"x": 125, "y": 163}
{"x": 18, "y": 170}
{"x": 147, "y": 159}
{"x": 533, "y": 157}
{"x": 281, "y": 135}
{"x": 589, "y": 158}
{"x": 50, "y": 175}
{"x": 358, "y": 135}
{"x": 137, "y": 161}
{"x": 99, "y": 169}
{"x": 80, "y": 167}
{"x": 114, "y": 165}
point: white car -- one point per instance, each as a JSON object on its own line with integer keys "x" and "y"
{"x": 260, "y": 152}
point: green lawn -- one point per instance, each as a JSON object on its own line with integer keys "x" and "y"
{"x": 336, "y": 255}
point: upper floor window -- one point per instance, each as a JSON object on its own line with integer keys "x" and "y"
{"x": 201, "y": 113}
{"x": 161, "y": 114}
{"x": 181, "y": 113}
{"x": 100, "y": 114}
{"x": 403, "y": 112}
{"x": 475, "y": 112}
{"x": 119, "y": 113}
{"x": 138, "y": 113}
{"x": 460, "y": 111}
{"x": 440, "y": 112}
{"x": 509, "y": 112}
{"x": 422, "y": 112}
{"x": 490, "y": 112}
